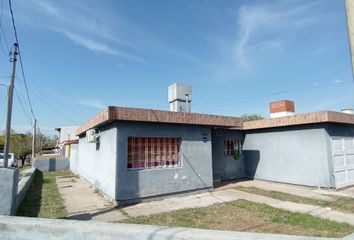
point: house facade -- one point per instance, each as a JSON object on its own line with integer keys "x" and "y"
{"x": 133, "y": 154}
{"x": 142, "y": 153}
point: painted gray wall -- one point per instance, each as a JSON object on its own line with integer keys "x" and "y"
{"x": 74, "y": 151}
{"x": 8, "y": 190}
{"x": 97, "y": 162}
{"x": 51, "y": 164}
{"x": 226, "y": 167}
{"x": 195, "y": 173}
{"x": 297, "y": 155}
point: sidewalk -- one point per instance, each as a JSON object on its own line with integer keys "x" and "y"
{"x": 82, "y": 203}
{"x": 309, "y": 192}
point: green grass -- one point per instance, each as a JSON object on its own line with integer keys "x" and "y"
{"x": 284, "y": 196}
{"x": 43, "y": 198}
{"x": 242, "y": 215}
{"x": 339, "y": 203}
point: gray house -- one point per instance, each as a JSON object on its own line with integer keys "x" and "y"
{"x": 132, "y": 154}
{"x": 313, "y": 149}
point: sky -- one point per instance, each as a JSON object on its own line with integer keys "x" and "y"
{"x": 80, "y": 56}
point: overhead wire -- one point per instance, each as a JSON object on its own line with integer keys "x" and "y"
{"x": 2, "y": 34}
{"x": 273, "y": 94}
{"x": 54, "y": 108}
{"x": 262, "y": 96}
{"x": 23, "y": 108}
{"x": 55, "y": 102}
{"x": 20, "y": 58}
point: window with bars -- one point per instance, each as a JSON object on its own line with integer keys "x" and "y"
{"x": 230, "y": 146}
{"x": 153, "y": 152}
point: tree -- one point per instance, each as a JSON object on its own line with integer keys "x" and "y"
{"x": 47, "y": 142}
{"x": 20, "y": 144}
{"x": 251, "y": 117}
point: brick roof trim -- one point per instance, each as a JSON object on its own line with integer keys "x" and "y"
{"x": 112, "y": 113}
{"x": 301, "y": 119}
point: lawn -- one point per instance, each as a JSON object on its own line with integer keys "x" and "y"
{"x": 43, "y": 198}
{"x": 343, "y": 204}
{"x": 242, "y": 215}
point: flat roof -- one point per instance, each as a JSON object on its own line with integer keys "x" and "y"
{"x": 301, "y": 119}
{"x": 113, "y": 113}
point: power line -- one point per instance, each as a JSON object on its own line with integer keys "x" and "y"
{"x": 273, "y": 94}
{"x": 20, "y": 57}
{"x": 6, "y": 52}
{"x": 54, "y": 108}
{"x": 23, "y": 95}
{"x": 6, "y": 42}
{"x": 23, "y": 108}
{"x": 56, "y": 101}
{"x": 320, "y": 79}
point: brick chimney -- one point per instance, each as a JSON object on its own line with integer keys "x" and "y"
{"x": 281, "y": 108}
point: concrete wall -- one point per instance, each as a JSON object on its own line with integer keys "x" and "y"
{"x": 8, "y": 190}
{"x": 298, "y": 155}
{"x": 195, "y": 172}
{"x": 97, "y": 162}
{"x": 226, "y": 167}
{"x": 24, "y": 184}
{"x": 74, "y": 154}
{"x": 14, "y": 228}
{"x": 51, "y": 164}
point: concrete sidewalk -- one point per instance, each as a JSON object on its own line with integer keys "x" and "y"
{"x": 83, "y": 203}
{"x": 303, "y": 191}
{"x": 309, "y": 192}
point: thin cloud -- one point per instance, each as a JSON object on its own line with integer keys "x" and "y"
{"x": 98, "y": 47}
{"x": 91, "y": 25}
{"x": 92, "y": 103}
{"x": 262, "y": 28}
{"x": 88, "y": 43}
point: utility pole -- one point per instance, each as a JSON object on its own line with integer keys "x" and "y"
{"x": 349, "y": 10}
{"x": 10, "y": 93}
{"x": 34, "y": 139}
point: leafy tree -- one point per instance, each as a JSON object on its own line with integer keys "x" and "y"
{"x": 251, "y": 117}
{"x": 20, "y": 144}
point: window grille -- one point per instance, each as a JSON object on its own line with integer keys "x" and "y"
{"x": 232, "y": 145}
{"x": 153, "y": 152}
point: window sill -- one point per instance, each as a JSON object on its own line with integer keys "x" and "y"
{"x": 153, "y": 169}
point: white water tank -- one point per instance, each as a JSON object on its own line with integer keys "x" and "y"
{"x": 180, "y": 97}
{"x": 347, "y": 111}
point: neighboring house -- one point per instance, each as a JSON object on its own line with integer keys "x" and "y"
{"x": 131, "y": 154}
{"x": 66, "y": 138}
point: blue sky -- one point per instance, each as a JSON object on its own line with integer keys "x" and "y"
{"x": 82, "y": 55}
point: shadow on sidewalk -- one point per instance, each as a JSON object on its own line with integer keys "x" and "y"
{"x": 86, "y": 216}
